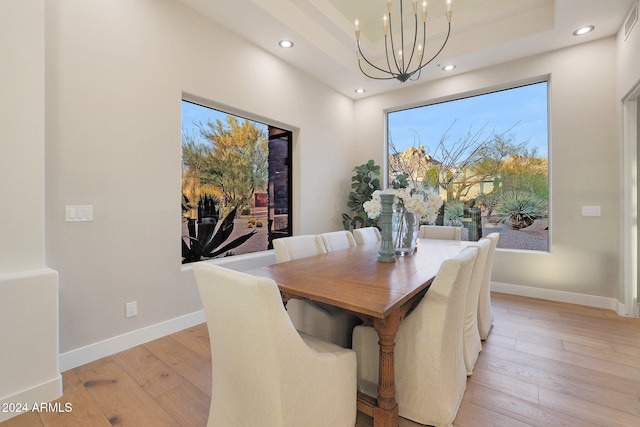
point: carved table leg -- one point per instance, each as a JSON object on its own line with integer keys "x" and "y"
{"x": 386, "y": 410}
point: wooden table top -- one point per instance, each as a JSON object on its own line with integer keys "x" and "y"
{"x": 353, "y": 279}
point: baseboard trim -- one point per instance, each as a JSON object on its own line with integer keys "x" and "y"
{"x": 560, "y": 296}
{"x": 42, "y": 393}
{"x": 622, "y": 310}
{"x": 95, "y": 351}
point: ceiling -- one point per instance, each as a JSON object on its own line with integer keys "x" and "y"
{"x": 484, "y": 32}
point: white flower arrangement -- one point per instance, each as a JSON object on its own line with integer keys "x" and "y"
{"x": 423, "y": 202}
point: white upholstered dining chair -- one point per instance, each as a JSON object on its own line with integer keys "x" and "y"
{"x": 294, "y": 247}
{"x": 443, "y": 232}
{"x": 265, "y": 373}
{"x": 336, "y": 240}
{"x": 472, "y": 343}
{"x": 430, "y": 375}
{"x": 485, "y": 313}
{"x": 321, "y": 320}
{"x": 365, "y": 235}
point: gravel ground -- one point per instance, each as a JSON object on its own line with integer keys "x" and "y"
{"x": 535, "y": 237}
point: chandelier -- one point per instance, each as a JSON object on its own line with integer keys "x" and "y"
{"x": 397, "y": 66}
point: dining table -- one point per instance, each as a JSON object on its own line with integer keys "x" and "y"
{"x": 380, "y": 293}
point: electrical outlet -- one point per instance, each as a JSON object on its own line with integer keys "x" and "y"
{"x": 131, "y": 309}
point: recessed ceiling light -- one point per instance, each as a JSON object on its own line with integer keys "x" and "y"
{"x": 584, "y": 30}
{"x": 286, "y": 43}
{"x": 449, "y": 67}
{"x": 360, "y": 90}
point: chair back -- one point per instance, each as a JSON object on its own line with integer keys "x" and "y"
{"x": 472, "y": 342}
{"x": 311, "y": 317}
{"x": 443, "y": 232}
{"x": 296, "y": 247}
{"x": 430, "y": 374}
{"x": 365, "y": 235}
{"x": 485, "y": 313}
{"x": 259, "y": 359}
{"x": 249, "y": 332}
{"x": 337, "y": 240}
{"x": 431, "y": 391}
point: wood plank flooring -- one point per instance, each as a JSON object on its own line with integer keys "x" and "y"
{"x": 544, "y": 364}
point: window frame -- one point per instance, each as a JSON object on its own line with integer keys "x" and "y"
{"x": 282, "y": 131}
{"x": 546, "y": 79}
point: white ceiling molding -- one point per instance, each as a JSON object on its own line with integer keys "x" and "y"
{"x": 484, "y": 32}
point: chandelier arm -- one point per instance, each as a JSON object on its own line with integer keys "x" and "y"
{"x": 438, "y": 52}
{"x": 386, "y": 54}
{"x": 371, "y": 64}
{"x": 402, "y": 62}
{"x": 419, "y": 71}
{"x": 424, "y": 47}
{"x": 393, "y": 49}
{"x": 415, "y": 40}
{"x": 372, "y": 77}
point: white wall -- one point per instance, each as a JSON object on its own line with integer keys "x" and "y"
{"x": 116, "y": 73}
{"x": 28, "y": 290}
{"x": 584, "y": 155}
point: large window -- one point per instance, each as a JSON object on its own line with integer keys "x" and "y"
{"x": 487, "y": 155}
{"x": 236, "y": 184}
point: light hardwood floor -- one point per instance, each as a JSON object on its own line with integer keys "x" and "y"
{"x": 544, "y": 364}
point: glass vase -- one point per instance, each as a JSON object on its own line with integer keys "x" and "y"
{"x": 405, "y": 231}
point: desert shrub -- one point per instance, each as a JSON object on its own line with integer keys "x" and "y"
{"x": 453, "y": 213}
{"x": 519, "y": 209}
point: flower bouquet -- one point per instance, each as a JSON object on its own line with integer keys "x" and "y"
{"x": 412, "y": 206}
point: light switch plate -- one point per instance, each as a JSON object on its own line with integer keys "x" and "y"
{"x": 78, "y": 213}
{"x": 591, "y": 211}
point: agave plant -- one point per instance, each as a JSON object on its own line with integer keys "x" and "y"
{"x": 204, "y": 241}
{"x": 453, "y": 213}
{"x": 520, "y": 209}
